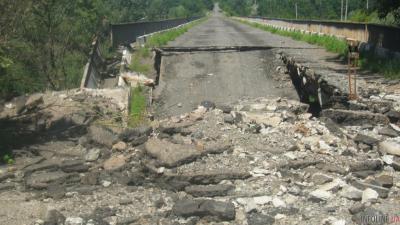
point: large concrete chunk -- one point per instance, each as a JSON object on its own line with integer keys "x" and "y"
{"x": 389, "y": 131}
{"x": 393, "y": 116}
{"x": 102, "y": 136}
{"x": 203, "y": 208}
{"x": 259, "y": 219}
{"x": 299, "y": 164}
{"x": 169, "y": 154}
{"x": 361, "y": 138}
{"x": 33, "y": 101}
{"x": 44, "y": 166}
{"x": 383, "y": 192}
{"x": 354, "y": 118}
{"x": 133, "y": 133}
{"x": 320, "y": 195}
{"x": 269, "y": 119}
{"x": 366, "y": 165}
{"x": 114, "y": 163}
{"x": 175, "y": 128}
{"x": 217, "y": 147}
{"x": 180, "y": 181}
{"x": 390, "y": 147}
{"x": 208, "y": 190}
{"x": 42, "y": 180}
{"x": 351, "y": 192}
{"x": 71, "y": 166}
{"x": 54, "y": 217}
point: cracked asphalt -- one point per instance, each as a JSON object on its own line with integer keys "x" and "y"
{"x": 187, "y": 79}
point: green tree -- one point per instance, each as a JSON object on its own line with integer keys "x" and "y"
{"x": 389, "y": 7}
{"x": 236, "y": 7}
{"x": 44, "y": 44}
{"x": 178, "y": 12}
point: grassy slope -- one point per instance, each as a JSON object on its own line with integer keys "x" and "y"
{"x": 390, "y": 68}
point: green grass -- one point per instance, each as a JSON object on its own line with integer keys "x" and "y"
{"x": 163, "y": 38}
{"x": 138, "y": 58}
{"x": 138, "y": 107}
{"x": 138, "y": 66}
{"x": 331, "y": 44}
{"x": 389, "y": 68}
{"x": 141, "y": 62}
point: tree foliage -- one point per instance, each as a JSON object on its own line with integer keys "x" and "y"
{"x": 44, "y": 44}
{"x": 377, "y": 11}
{"x": 236, "y": 7}
{"x": 389, "y": 8}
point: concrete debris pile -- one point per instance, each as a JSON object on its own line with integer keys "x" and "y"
{"x": 41, "y": 117}
{"x": 137, "y": 79}
{"x": 257, "y": 161}
{"x": 330, "y": 88}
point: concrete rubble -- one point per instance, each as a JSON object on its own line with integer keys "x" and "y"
{"x": 137, "y": 79}
{"x": 254, "y": 161}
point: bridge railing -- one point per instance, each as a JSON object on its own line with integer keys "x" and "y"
{"x": 127, "y": 33}
{"x": 387, "y": 37}
{"x": 92, "y": 73}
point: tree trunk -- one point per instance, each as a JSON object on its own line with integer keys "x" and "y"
{"x": 341, "y": 11}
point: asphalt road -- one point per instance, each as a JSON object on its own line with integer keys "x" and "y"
{"x": 222, "y": 77}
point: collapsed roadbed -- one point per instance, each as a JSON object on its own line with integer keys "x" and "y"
{"x": 324, "y": 94}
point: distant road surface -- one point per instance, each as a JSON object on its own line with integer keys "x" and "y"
{"x": 221, "y": 77}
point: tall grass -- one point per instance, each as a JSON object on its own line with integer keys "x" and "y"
{"x": 138, "y": 58}
{"x": 138, "y": 106}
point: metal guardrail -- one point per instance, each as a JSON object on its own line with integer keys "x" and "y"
{"x": 92, "y": 73}
{"x": 127, "y": 33}
{"x": 122, "y": 34}
{"x": 387, "y": 37}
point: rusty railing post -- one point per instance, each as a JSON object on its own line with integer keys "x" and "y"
{"x": 353, "y": 57}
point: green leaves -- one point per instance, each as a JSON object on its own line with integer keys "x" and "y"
{"x": 138, "y": 107}
{"x": 236, "y": 7}
{"x": 44, "y": 44}
{"x": 389, "y": 7}
{"x": 5, "y": 62}
{"x": 7, "y": 159}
